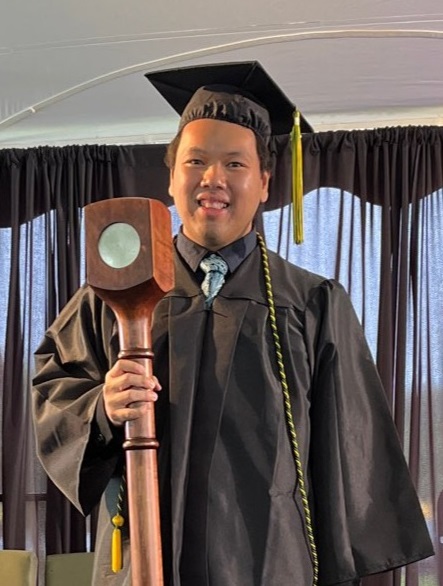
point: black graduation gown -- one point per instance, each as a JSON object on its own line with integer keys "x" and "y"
{"x": 366, "y": 515}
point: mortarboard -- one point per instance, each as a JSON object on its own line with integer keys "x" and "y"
{"x": 242, "y": 93}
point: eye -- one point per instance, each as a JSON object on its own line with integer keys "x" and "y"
{"x": 235, "y": 164}
{"x": 194, "y": 162}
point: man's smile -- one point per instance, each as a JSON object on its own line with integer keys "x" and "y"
{"x": 215, "y": 205}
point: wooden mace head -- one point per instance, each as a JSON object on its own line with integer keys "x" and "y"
{"x": 129, "y": 253}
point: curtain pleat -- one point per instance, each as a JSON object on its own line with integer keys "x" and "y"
{"x": 15, "y": 403}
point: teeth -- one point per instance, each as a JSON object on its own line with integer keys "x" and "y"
{"x": 217, "y": 205}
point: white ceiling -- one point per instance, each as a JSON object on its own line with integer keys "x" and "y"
{"x": 73, "y": 72}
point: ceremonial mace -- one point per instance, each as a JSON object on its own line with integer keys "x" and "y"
{"x": 129, "y": 265}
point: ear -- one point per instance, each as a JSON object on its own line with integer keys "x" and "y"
{"x": 171, "y": 183}
{"x": 266, "y": 176}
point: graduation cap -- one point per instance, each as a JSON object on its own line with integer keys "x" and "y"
{"x": 241, "y": 93}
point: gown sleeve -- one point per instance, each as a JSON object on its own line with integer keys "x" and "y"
{"x": 367, "y": 515}
{"x": 76, "y": 445}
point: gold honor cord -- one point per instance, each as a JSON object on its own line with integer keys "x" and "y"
{"x": 288, "y": 409}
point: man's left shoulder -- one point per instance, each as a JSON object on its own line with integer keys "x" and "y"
{"x": 291, "y": 276}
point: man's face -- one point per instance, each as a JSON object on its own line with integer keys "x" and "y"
{"x": 216, "y": 182}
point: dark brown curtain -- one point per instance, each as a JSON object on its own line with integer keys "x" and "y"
{"x": 373, "y": 219}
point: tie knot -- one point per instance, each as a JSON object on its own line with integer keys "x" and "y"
{"x": 214, "y": 263}
{"x": 215, "y": 268}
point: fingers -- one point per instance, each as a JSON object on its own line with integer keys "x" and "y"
{"x": 127, "y": 391}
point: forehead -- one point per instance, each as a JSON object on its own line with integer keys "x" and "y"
{"x": 210, "y": 134}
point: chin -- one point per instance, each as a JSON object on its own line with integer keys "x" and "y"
{"x": 213, "y": 241}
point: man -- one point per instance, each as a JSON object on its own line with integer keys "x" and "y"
{"x": 279, "y": 462}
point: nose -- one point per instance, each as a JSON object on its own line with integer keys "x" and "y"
{"x": 214, "y": 176}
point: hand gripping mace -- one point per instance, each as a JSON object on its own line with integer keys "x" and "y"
{"x": 130, "y": 267}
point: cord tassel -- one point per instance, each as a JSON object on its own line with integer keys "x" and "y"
{"x": 116, "y": 553}
{"x": 297, "y": 179}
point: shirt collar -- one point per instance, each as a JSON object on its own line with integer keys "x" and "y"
{"x": 234, "y": 254}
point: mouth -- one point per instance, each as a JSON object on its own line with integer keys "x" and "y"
{"x": 212, "y": 203}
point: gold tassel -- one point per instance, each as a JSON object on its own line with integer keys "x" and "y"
{"x": 116, "y": 554}
{"x": 297, "y": 180}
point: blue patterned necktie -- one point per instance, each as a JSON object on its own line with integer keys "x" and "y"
{"x": 215, "y": 268}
